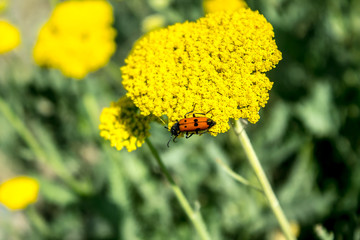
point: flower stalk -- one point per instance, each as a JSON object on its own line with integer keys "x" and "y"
{"x": 236, "y": 176}
{"x": 194, "y": 216}
{"x": 38, "y": 222}
{"x": 52, "y": 160}
{"x": 269, "y": 193}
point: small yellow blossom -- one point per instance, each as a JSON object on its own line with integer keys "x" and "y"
{"x": 159, "y": 5}
{"x": 223, "y": 5}
{"x": 77, "y": 39}
{"x": 279, "y": 235}
{"x": 217, "y": 63}
{"x": 153, "y": 22}
{"x": 3, "y": 5}
{"x": 17, "y": 193}
{"x": 9, "y": 37}
{"x": 123, "y": 125}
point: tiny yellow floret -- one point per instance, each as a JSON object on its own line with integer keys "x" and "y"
{"x": 77, "y": 39}
{"x": 17, "y": 193}
{"x": 217, "y": 63}
{"x": 123, "y": 125}
{"x": 9, "y": 37}
{"x": 152, "y": 22}
{"x": 211, "y": 6}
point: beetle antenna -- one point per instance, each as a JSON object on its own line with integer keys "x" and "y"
{"x": 209, "y": 111}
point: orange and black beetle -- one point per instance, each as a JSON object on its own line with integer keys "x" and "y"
{"x": 191, "y": 126}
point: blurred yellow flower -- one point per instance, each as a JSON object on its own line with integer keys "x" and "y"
{"x": 217, "y": 63}
{"x": 159, "y": 5}
{"x": 223, "y": 5}
{"x": 152, "y": 22}
{"x": 9, "y": 37}
{"x": 17, "y": 193}
{"x": 77, "y": 39}
{"x": 279, "y": 235}
{"x": 3, "y": 5}
{"x": 123, "y": 125}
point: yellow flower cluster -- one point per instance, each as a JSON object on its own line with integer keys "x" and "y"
{"x": 9, "y": 37}
{"x": 17, "y": 193}
{"x": 123, "y": 125}
{"x": 223, "y": 5}
{"x": 77, "y": 39}
{"x": 217, "y": 63}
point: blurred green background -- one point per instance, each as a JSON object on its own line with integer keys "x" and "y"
{"x": 307, "y": 138}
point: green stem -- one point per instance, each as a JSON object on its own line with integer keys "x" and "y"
{"x": 51, "y": 160}
{"x": 269, "y": 193}
{"x": 236, "y": 176}
{"x": 37, "y": 222}
{"x": 194, "y": 216}
{"x": 22, "y": 130}
{"x": 92, "y": 109}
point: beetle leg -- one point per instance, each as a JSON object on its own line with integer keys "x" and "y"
{"x": 169, "y": 141}
{"x": 207, "y": 131}
{"x": 189, "y": 136}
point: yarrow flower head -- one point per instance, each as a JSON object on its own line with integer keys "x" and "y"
{"x": 217, "y": 63}
{"x": 77, "y": 39}
{"x": 123, "y": 125}
{"x": 223, "y": 5}
{"x": 17, "y": 193}
{"x": 9, "y": 37}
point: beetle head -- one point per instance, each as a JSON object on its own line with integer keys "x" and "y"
{"x": 175, "y": 131}
{"x": 211, "y": 122}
